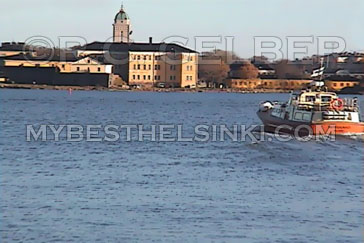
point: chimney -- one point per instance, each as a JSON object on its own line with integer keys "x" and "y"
{"x": 150, "y": 40}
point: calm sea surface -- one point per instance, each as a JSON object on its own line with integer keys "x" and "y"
{"x": 170, "y": 192}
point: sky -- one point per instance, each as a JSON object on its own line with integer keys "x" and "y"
{"x": 191, "y": 22}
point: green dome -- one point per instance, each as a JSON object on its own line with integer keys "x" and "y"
{"x": 121, "y": 15}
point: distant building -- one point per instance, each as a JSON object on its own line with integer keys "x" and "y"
{"x": 14, "y": 48}
{"x": 338, "y": 66}
{"x": 270, "y": 84}
{"x": 67, "y": 63}
{"x": 148, "y": 64}
{"x": 265, "y": 71}
{"x": 57, "y": 70}
{"x": 121, "y": 27}
{"x": 338, "y": 85}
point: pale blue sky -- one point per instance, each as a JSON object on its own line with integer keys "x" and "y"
{"x": 243, "y": 19}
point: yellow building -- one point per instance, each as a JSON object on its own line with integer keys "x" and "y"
{"x": 339, "y": 85}
{"x": 149, "y": 64}
{"x": 273, "y": 84}
{"x": 65, "y": 64}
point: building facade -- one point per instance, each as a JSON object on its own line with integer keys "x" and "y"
{"x": 14, "y": 48}
{"x": 149, "y": 64}
{"x": 338, "y": 85}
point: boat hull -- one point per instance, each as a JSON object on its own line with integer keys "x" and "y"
{"x": 278, "y": 125}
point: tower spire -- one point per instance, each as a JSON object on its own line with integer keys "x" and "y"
{"x": 122, "y": 5}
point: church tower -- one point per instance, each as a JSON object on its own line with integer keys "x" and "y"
{"x": 122, "y": 27}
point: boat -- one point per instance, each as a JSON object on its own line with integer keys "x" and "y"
{"x": 313, "y": 111}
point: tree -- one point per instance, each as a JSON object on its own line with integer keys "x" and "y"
{"x": 286, "y": 69}
{"x": 215, "y": 73}
{"x": 244, "y": 70}
{"x": 214, "y": 66}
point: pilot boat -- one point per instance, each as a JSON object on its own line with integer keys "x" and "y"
{"x": 313, "y": 111}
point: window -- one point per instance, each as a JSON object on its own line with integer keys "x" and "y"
{"x": 138, "y": 66}
{"x": 150, "y": 67}
{"x": 99, "y": 69}
{"x": 78, "y": 68}
{"x": 138, "y": 77}
{"x": 306, "y": 117}
{"x": 88, "y": 61}
{"x": 298, "y": 116}
{"x": 173, "y": 67}
{"x": 144, "y": 77}
{"x": 325, "y": 98}
{"x": 335, "y": 84}
{"x": 150, "y": 58}
{"x": 134, "y": 77}
{"x": 63, "y": 66}
{"x": 145, "y": 67}
{"x": 138, "y": 57}
{"x": 145, "y": 58}
{"x": 148, "y": 77}
{"x": 134, "y": 66}
{"x": 157, "y": 58}
{"x": 310, "y": 98}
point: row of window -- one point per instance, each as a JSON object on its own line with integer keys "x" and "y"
{"x": 189, "y": 68}
{"x": 88, "y": 69}
{"x": 157, "y": 77}
{"x": 343, "y": 84}
{"x": 146, "y": 77}
{"x": 145, "y": 57}
{"x": 157, "y": 58}
{"x": 189, "y": 58}
{"x": 266, "y": 83}
{"x": 146, "y": 67}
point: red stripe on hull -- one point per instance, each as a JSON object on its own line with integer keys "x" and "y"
{"x": 338, "y": 128}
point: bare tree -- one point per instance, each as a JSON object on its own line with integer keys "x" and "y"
{"x": 244, "y": 70}
{"x": 214, "y": 66}
{"x": 286, "y": 69}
